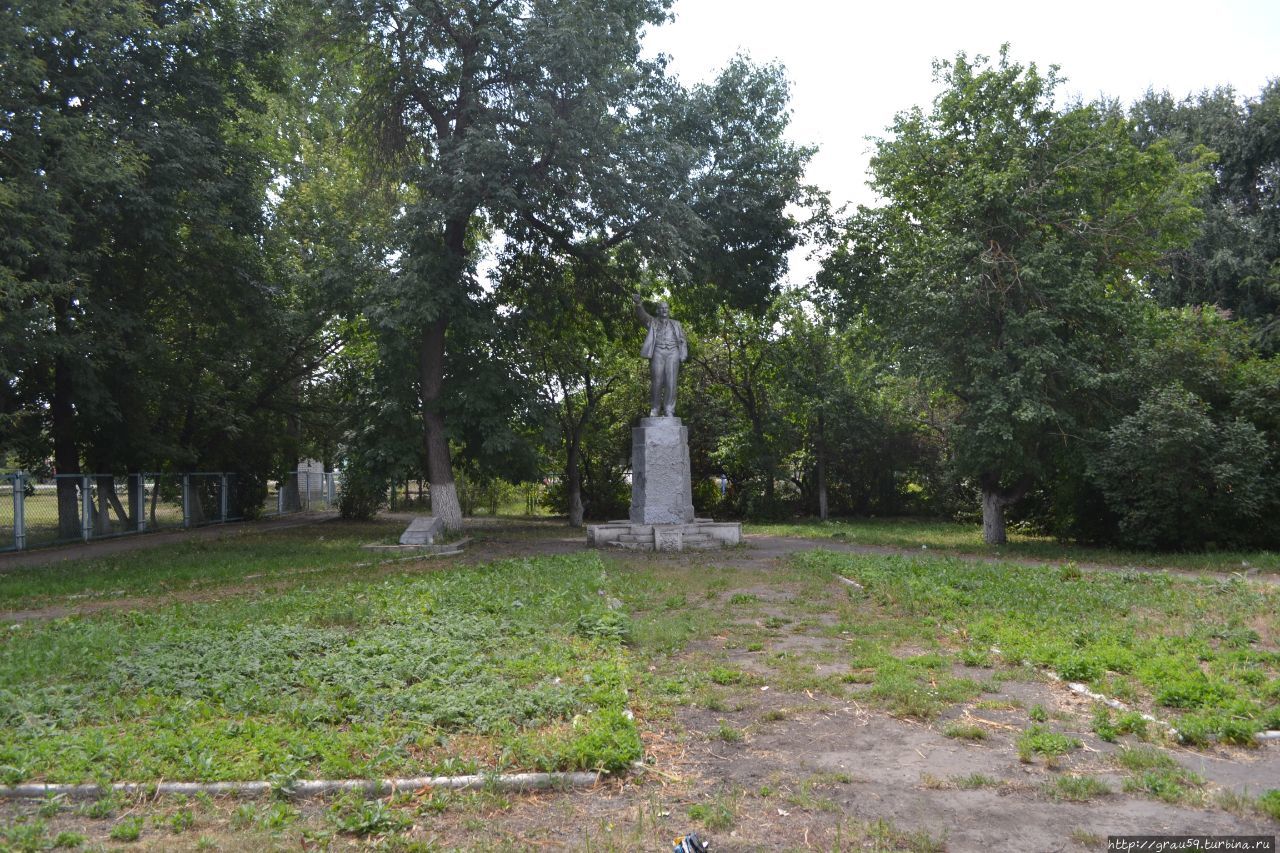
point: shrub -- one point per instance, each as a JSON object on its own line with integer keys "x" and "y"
{"x": 1176, "y": 478}
{"x": 362, "y": 495}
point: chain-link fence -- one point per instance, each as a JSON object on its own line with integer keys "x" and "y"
{"x": 301, "y": 491}
{"x": 81, "y": 507}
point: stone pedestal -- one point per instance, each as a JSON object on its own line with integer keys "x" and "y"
{"x": 662, "y": 497}
{"x": 661, "y": 491}
{"x": 697, "y": 535}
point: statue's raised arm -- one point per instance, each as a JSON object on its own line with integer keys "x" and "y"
{"x": 641, "y": 314}
{"x": 665, "y": 347}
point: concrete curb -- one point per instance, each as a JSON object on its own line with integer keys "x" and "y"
{"x": 311, "y": 787}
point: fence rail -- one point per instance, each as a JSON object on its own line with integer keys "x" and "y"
{"x": 83, "y": 507}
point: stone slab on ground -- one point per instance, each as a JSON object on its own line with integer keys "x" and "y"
{"x": 423, "y": 530}
{"x": 661, "y": 489}
{"x": 442, "y": 550}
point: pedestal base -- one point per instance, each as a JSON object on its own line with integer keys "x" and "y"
{"x": 699, "y": 534}
{"x": 661, "y": 490}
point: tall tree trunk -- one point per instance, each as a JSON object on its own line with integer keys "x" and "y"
{"x": 993, "y": 532}
{"x": 291, "y": 485}
{"x": 66, "y": 456}
{"x": 573, "y": 480}
{"x": 822, "y": 468}
{"x": 444, "y": 493}
{"x": 994, "y": 500}
{"x": 107, "y": 501}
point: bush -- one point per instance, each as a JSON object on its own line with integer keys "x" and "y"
{"x": 1178, "y": 479}
{"x": 362, "y": 496}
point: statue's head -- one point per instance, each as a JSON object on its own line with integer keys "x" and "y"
{"x": 663, "y": 310}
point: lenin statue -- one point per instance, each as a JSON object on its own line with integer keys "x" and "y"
{"x": 665, "y": 347}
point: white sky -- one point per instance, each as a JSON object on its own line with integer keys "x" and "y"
{"x": 853, "y": 65}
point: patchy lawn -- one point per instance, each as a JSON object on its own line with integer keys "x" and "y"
{"x": 776, "y": 705}
{"x": 948, "y": 536}
{"x": 479, "y": 669}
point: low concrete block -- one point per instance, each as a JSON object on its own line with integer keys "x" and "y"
{"x": 668, "y": 538}
{"x": 423, "y": 530}
{"x": 697, "y": 535}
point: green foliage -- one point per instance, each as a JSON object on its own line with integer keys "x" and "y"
{"x": 1110, "y": 729}
{"x": 1269, "y": 804}
{"x": 1002, "y": 264}
{"x": 363, "y": 494}
{"x": 128, "y": 829}
{"x": 24, "y": 836}
{"x": 606, "y": 625}
{"x": 70, "y": 840}
{"x": 974, "y": 781}
{"x": 1171, "y": 784}
{"x": 181, "y": 820}
{"x": 717, "y": 816}
{"x": 1168, "y": 635}
{"x": 728, "y": 733}
{"x": 1176, "y": 478}
{"x": 725, "y": 675}
{"x": 1077, "y": 789}
{"x": 965, "y": 731}
{"x": 1233, "y": 260}
{"x": 1039, "y": 740}
{"x": 146, "y": 327}
{"x": 367, "y": 817}
{"x": 280, "y": 686}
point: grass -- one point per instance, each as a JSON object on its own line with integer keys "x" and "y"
{"x": 1199, "y": 651}
{"x": 1077, "y": 789}
{"x": 718, "y": 815}
{"x": 1155, "y": 774}
{"x": 198, "y": 564}
{"x": 965, "y": 731}
{"x": 294, "y": 660}
{"x": 391, "y": 677}
{"x": 974, "y": 781}
{"x": 948, "y": 536}
{"x": 1044, "y": 742}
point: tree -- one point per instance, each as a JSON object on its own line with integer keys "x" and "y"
{"x": 1234, "y": 261}
{"x": 136, "y": 315}
{"x": 535, "y": 117}
{"x": 1005, "y": 261}
{"x": 570, "y": 315}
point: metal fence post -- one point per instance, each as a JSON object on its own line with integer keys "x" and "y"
{"x": 140, "y": 517}
{"x": 86, "y": 509}
{"x": 224, "y": 499}
{"x": 280, "y": 495}
{"x": 305, "y": 501}
{"x": 186, "y": 500}
{"x": 19, "y": 511}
